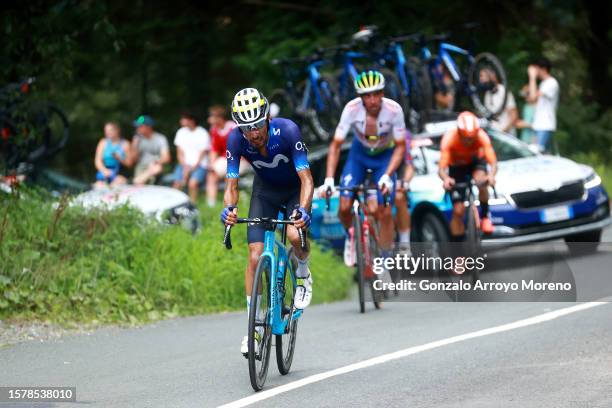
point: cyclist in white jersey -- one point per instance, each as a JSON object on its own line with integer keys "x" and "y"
{"x": 379, "y": 143}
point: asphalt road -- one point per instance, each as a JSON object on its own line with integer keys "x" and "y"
{"x": 407, "y": 354}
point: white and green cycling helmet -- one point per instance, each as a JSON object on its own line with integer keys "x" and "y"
{"x": 250, "y": 109}
{"x": 369, "y": 81}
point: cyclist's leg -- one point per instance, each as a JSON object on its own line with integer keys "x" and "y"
{"x": 383, "y": 214}
{"x": 353, "y": 174}
{"x": 461, "y": 174}
{"x": 480, "y": 177}
{"x": 402, "y": 214}
{"x": 303, "y": 291}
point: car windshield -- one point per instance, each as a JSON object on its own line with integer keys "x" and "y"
{"x": 506, "y": 148}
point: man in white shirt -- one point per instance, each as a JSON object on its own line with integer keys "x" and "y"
{"x": 493, "y": 100}
{"x": 192, "y": 146}
{"x": 546, "y": 98}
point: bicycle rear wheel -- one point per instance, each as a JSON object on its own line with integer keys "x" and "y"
{"x": 359, "y": 249}
{"x": 285, "y": 344}
{"x": 488, "y": 61}
{"x": 323, "y": 120}
{"x": 472, "y": 240}
{"x": 259, "y": 352}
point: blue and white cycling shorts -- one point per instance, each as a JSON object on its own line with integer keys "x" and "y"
{"x": 356, "y": 165}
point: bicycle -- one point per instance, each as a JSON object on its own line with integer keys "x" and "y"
{"x": 467, "y": 80}
{"x": 472, "y": 246}
{"x": 274, "y": 284}
{"x": 314, "y": 101}
{"x": 412, "y": 77}
{"x": 349, "y": 72}
{"x": 29, "y": 132}
{"x": 366, "y": 238}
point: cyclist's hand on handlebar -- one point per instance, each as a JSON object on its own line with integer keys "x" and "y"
{"x": 449, "y": 182}
{"x": 229, "y": 215}
{"x": 301, "y": 218}
{"x": 491, "y": 180}
{"x": 385, "y": 184}
{"x": 328, "y": 184}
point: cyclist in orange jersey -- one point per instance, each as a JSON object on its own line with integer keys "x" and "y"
{"x": 465, "y": 152}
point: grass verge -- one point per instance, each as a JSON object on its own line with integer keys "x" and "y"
{"x": 63, "y": 264}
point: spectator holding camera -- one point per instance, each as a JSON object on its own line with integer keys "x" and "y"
{"x": 546, "y": 98}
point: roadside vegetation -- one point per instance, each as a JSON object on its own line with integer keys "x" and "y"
{"x": 65, "y": 265}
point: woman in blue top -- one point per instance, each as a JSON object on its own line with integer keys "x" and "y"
{"x": 111, "y": 157}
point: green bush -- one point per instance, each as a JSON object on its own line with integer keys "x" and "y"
{"x": 64, "y": 264}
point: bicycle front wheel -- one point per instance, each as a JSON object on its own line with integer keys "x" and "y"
{"x": 487, "y": 61}
{"x": 259, "y": 331}
{"x": 285, "y": 343}
{"x": 361, "y": 261}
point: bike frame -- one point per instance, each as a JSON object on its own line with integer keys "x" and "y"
{"x": 275, "y": 320}
{"x": 444, "y": 57}
{"x": 349, "y": 72}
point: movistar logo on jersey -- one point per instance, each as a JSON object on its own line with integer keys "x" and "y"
{"x": 277, "y": 159}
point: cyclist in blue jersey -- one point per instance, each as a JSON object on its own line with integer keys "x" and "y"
{"x": 379, "y": 144}
{"x": 275, "y": 149}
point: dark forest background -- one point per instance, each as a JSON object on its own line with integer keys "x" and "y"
{"x": 112, "y": 60}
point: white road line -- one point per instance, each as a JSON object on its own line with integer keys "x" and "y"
{"x": 263, "y": 395}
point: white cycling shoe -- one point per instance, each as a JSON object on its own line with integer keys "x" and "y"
{"x": 244, "y": 347}
{"x": 349, "y": 249}
{"x": 303, "y": 292}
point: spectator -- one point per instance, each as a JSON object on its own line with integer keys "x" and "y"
{"x": 112, "y": 155}
{"x": 546, "y": 97}
{"x": 220, "y": 128}
{"x": 493, "y": 99}
{"x": 524, "y": 124}
{"x": 149, "y": 151}
{"x": 192, "y": 147}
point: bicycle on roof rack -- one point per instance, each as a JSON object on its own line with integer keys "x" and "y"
{"x": 465, "y": 73}
{"x": 313, "y": 102}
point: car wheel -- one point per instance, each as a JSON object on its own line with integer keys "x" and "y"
{"x": 583, "y": 243}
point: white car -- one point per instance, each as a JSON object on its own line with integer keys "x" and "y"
{"x": 163, "y": 203}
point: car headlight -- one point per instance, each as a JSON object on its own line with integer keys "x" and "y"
{"x": 592, "y": 180}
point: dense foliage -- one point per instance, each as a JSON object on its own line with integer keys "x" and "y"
{"x": 105, "y": 60}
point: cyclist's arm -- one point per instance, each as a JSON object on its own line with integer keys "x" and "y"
{"x": 444, "y": 157}
{"x": 233, "y": 154}
{"x": 397, "y": 157}
{"x": 306, "y": 189}
{"x": 409, "y": 172}
{"x": 333, "y": 156}
{"x": 489, "y": 152}
{"x": 98, "y": 159}
{"x": 230, "y": 198}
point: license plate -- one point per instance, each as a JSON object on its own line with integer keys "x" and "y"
{"x": 556, "y": 214}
